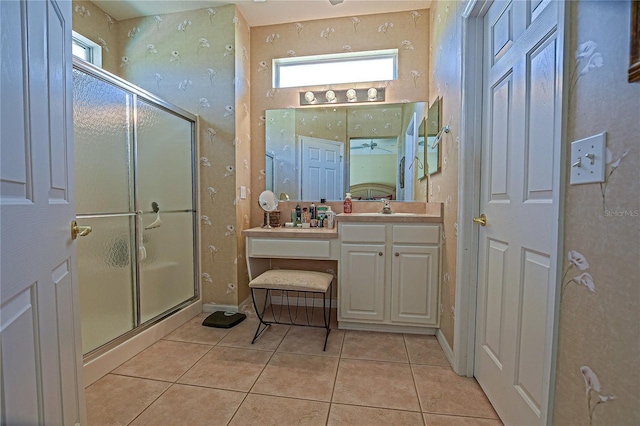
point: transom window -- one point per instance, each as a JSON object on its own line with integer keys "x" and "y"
{"x": 86, "y": 49}
{"x": 351, "y": 67}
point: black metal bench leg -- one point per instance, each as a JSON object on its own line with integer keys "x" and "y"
{"x": 327, "y": 321}
{"x": 260, "y": 315}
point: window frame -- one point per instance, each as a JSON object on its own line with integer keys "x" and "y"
{"x": 92, "y": 49}
{"x": 344, "y": 57}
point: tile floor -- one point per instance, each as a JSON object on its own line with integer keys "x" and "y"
{"x": 208, "y": 376}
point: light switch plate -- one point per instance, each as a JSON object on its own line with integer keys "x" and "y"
{"x": 588, "y": 159}
{"x": 243, "y": 192}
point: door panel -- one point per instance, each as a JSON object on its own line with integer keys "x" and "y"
{"x": 519, "y": 180}
{"x": 414, "y": 297}
{"x": 362, "y": 281}
{"x": 40, "y": 338}
{"x": 322, "y": 174}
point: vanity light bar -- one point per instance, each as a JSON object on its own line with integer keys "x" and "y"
{"x": 346, "y": 96}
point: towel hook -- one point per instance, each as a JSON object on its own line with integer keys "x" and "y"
{"x": 436, "y": 141}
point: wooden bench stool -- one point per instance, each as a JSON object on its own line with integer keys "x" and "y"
{"x": 292, "y": 282}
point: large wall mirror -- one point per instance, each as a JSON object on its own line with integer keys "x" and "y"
{"x": 432, "y": 157}
{"x": 371, "y": 151}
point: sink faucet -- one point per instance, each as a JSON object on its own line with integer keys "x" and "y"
{"x": 386, "y": 209}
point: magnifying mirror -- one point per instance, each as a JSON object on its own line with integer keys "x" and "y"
{"x": 268, "y": 203}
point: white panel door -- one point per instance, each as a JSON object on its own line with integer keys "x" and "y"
{"x": 414, "y": 290}
{"x": 362, "y": 282}
{"x": 322, "y": 169}
{"x": 41, "y": 357}
{"x": 519, "y": 184}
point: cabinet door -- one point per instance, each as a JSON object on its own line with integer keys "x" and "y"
{"x": 414, "y": 285}
{"x": 362, "y": 281}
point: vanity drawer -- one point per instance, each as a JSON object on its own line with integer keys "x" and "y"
{"x": 291, "y": 248}
{"x": 417, "y": 234}
{"x": 360, "y": 233}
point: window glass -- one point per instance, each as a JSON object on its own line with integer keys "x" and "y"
{"x": 356, "y": 67}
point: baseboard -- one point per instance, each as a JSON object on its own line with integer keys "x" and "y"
{"x": 448, "y": 352}
{"x": 386, "y": 328}
{"x": 105, "y": 363}
{"x": 212, "y": 307}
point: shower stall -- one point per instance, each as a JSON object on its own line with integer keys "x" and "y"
{"x": 135, "y": 186}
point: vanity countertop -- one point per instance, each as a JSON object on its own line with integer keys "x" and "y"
{"x": 281, "y": 232}
{"x": 394, "y": 217}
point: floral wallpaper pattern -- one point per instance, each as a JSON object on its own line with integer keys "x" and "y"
{"x": 444, "y": 79}
{"x": 598, "y": 365}
{"x": 197, "y": 60}
{"x": 407, "y": 31}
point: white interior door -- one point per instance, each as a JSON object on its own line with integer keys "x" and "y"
{"x": 322, "y": 169}
{"x": 410, "y": 147}
{"x": 519, "y": 195}
{"x": 40, "y": 328}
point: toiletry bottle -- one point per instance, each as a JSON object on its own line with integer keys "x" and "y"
{"x": 298, "y": 213}
{"x": 348, "y": 204}
{"x": 312, "y": 211}
{"x": 294, "y": 217}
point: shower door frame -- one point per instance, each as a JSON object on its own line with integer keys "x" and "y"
{"x": 153, "y": 100}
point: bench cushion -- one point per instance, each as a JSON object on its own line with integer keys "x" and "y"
{"x": 286, "y": 279}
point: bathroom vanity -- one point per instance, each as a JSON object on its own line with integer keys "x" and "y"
{"x": 387, "y": 266}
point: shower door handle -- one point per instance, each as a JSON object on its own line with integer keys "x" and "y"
{"x": 79, "y": 231}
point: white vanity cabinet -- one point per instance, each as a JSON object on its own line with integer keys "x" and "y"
{"x": 388, "y": 276}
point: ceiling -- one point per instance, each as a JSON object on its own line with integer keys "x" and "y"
{"x": 259, "y": 13}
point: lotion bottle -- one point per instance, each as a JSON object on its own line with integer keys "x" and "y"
{"x": 348, "y": 204}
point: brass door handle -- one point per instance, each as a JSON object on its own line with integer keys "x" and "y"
{"x": 482, "y": 220}
{"x": 79, "y": 231}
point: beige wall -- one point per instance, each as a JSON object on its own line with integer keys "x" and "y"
{"x": 444, "y": 79}
{"x": 332, "y": 36}
{"x": 198, "y": 60}
{"x": 99, "y": 27}
{"x": 601, "y": 329}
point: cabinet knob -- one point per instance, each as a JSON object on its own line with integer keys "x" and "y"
{"x": 379, "y": 253}
{"x": 397, "y": 254}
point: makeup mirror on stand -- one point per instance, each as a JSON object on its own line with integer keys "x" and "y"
{"x": 268, "y": 203}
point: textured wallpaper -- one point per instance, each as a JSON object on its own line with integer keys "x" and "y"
{"x": 598, "y": 369}
{"x": 407, "y": 31}
{"x": 197, "y": 60}
{"x": 445, "y": 74}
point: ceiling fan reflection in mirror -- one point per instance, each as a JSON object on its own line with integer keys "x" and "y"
{"x": 371, "y": 145}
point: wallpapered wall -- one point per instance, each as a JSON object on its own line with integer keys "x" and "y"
{"x": 197, "y": 60}
{"x": 407, "y": 31}
{"x": 444, "y": 79}
{"x": 599, "y": 340}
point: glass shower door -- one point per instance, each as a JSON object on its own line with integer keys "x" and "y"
{"x": 104, "y": 201}
{"x": 164, "y": 182}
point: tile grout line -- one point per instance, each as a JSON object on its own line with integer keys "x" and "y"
{"x": 258, "y": 376}
{"x": 413, "y": 378}
{"x": 335, "y": 377}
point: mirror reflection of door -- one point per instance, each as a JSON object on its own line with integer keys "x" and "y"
{"x": 268, "y": 172}
{"x": 322, "y": 169}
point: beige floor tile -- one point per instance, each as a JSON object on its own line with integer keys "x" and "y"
{"x": 442, "y": 420}
{"x": 376, "y": 384}
{"x": 227, "y": 368}
{"x": 442, "y": 391}
{"x": 298, "y": 376}
{"x": 310, "y": 341}
{"x": 367, "y": 416}
{"x": 374, "y": 346}
{"x": 194, "y": 332}
{"x": 315, "y": 316}
{"x": 164, "y": 360}
{"x": 425, "y": 350}
{"x": 191, "y": 405}
{"x": 240, "y": 336}
{"x": 109, "y": 400}
{"x": 264, "y": 410}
